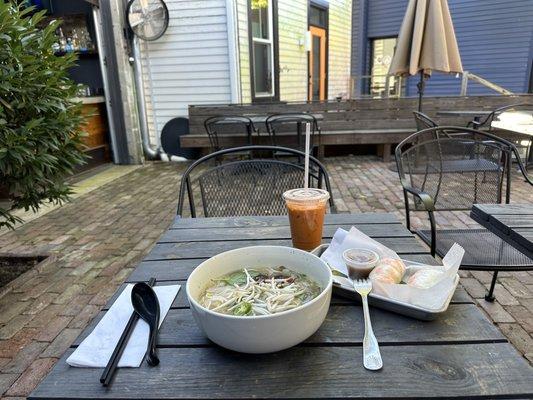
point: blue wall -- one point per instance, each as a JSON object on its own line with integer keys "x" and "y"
{"x": 495, "y": 39}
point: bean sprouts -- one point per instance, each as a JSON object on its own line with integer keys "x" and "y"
{"x": 262, "y": 291}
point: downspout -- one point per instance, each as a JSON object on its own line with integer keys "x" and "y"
{"x": 233, "y": 51}
{"x": 150, "y": 152}
{"x": 102, "y": 54}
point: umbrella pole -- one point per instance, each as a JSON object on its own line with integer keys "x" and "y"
{"x": 420, "y": 85}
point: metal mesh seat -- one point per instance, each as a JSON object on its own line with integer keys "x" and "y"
{"x": 486, "y": 251}
{"x": 452, "y": 168}
{"x": 247, "y": 187}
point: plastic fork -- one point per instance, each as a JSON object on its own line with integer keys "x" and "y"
{"x": 371, "y": 355}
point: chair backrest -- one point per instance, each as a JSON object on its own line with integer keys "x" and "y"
{"x": 486, "y": 123}
{"x": 250, "y": 186}
{"x": 423, "y": 121}
{"x": 525, "y": 109}
{"x": 218, "y": 125}
{"x": 290, "y": 123}
{"x": 456, "y": 166}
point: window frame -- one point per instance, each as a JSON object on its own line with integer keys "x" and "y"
{"x": 370, "y": 64}
{"x": 274, "y": 53}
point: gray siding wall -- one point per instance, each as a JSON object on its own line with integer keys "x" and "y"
{"x": 495, "y": 40}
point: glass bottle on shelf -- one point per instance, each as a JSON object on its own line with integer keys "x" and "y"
{"x": 83, "y": 40}
{"x": 69, "y": 47}
{"x": 75, "y": 40}
{"x": 62, "y": 41}
{"x": 90, "y": 43}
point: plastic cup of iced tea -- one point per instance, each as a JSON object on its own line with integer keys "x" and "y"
{"x": 306, "y": 208}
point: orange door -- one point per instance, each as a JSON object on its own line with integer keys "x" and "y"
{"x": 317, "y": 64}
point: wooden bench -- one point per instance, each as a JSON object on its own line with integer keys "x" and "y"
{"x": 383, "y": 122}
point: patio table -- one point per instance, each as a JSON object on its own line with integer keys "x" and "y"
{"x": 511, "y": 222}
{"x": 261, "y": 119}
{"x": 463, "y": 113}
{"x": 474, "y": 114}
{"x": 460, "y": 355}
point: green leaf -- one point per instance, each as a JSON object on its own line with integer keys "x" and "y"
{"x": 236, "y": 278}
{"x": 244, "y": 308}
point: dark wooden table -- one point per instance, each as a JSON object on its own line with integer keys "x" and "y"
{"x": 460, "y": 355}
{"x": 261, "y": 119}
{"x": 463, "y": 113}
{"x": 511, "y": 222}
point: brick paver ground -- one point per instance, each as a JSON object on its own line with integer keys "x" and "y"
{"x": 97, "y": 240}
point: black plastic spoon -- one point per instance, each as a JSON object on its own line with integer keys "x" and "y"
{"x": 146, "y": 305}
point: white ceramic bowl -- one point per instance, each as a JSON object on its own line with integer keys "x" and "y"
{"x": 265, "y": 333}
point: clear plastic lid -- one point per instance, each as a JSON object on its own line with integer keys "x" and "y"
{"x": 310, "y": 195}
{"x": 360, "y": 257}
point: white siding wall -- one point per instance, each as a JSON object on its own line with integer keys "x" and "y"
{"x": 189, "y": 64}
{"x": 292, "y": 25}
{"x": 244, "y": 50}
{"x": 340, "y": 41}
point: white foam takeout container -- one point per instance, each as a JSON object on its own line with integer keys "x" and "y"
{"x": 342, "y": 288}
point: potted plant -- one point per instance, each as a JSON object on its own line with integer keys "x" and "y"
{"x": 40, "y": 134}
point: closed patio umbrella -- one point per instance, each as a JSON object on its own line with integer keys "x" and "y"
{"x": 426, "y": 43}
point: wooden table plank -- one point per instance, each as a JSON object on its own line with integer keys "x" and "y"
{"x": 262, "y": 221}
{"x": 169, "y": 270}
{"x": 445, "y": 371}
{"x": 181, "y": 301}
{"x": 511, "y": 222}
{"x": 276, "y": 232}
{"x": 344, "y": 325}
{"x": 503, "y": 209}
{"x": 507, "y": 222}
{"x": 166, "y": 251}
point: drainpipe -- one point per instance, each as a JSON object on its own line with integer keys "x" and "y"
{"x": 150, "y": 152}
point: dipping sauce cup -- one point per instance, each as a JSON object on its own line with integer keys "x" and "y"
{"x": 360, "y": 262}
{"x": 306, "y": 208}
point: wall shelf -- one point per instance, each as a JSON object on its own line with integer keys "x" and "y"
{"x": 80, "y": 54}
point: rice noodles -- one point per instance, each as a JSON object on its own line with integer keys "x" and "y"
{"x": 264, "y": 291}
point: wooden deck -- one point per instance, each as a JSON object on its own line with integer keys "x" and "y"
{"x": 351, "y": 122}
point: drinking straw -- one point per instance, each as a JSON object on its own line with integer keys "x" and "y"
{"x": 306, "y": 165}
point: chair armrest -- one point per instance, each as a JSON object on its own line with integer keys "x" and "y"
{"x": 425, "y": 198}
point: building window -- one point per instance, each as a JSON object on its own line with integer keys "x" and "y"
{"x": 318, "y": 16}
{"x": 262, "y": 48}
{"x": 382, "y": 50}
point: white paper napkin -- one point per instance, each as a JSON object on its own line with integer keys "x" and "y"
{"x": 97, "y": 348}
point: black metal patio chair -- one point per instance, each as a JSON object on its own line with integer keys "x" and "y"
{"x": 487, "y": 124}
{"x": 423, "y": 121}
{"x": 216, "y": 127}
{"x": 279, "y": 125}
{"x": 250, "y": 186}
{"x": 428, "y": 163}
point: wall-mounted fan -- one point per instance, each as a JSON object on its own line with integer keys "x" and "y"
{"x": 148, "y": 19}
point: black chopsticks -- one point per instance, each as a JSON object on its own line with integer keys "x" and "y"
{"x": 111, "y": 366}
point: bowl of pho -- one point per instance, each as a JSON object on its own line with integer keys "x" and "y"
{"x": 260, "y": 299}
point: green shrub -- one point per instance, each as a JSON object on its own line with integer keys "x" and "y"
{"x": 40, "y": 135}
